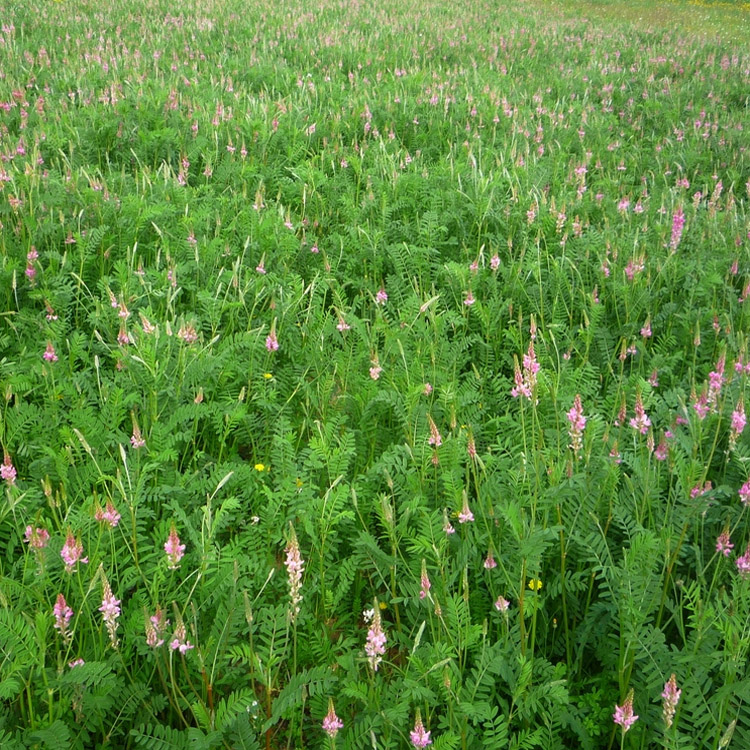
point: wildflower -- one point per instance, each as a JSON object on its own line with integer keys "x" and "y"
{"x": 72, "y": 551}
{"x": 155, "y": 627}
{"x": 381, "y": 297}
{"x": 37, "y": 538}
{"x": 465, "y": 515}
{"x": 175, "y": 551}
{"x": 471, "y": 447}
{"x": 179, "y": 640}
{"x": 49, "y": 353}
{"x": 376, "y": 639}
{"x": 469, "y": 299}
{"x": 646, "y": 330}
{"x": 259, "y": 467}
{"x": 662, "y": 450}
{"x": 495, "y": 262}
{"x": 653, "y": 380}
{"x": 671, "y": 696}
{"x": 640, "y": 421}
{"x": 294, "y": 566}
{"x": 447, "y": 526}
{"x": 76, "y": 663}
{"x": 699, "y": 490}
{"x": 615, "y": 453}
{"x": 62, "y": 613}
{"x": 739, "y": 420}
{"x": 136, "y": 439}
{"x": 123, "y": 338}
{"x": 188, "y": 333}
{"x": 701, "y": 406}
{"x": 342, "y": 325}
{"x": 272, "y": 343}
{"x": 8, "y": 471}
{"x": 332, "y": 723}
{"x": 424, "y": 582}
{"x": 148, "y": 327}
{"x": 743, "y": 563}
{"x": 110, "y": 610}
{"x": 435, "y": 439}
{"x": 716, "y": 381}
{"x": 427, "y": 389}
{"x": 489, "y": 561}
{"x": 744, "y": 493}
{"x": 678, "y": 222}
{"x": 376, "y": 369}
{"x": 623, "y": 715}
{"x": 635, "y": 266}
{"x": 108, "y": 515}
{"x": 419, "y": 736}
{"x": 724, "y": 544}
{"x": 526, "y": 381}
{"x": 535, "y": 584}
{"x": 502, "y": 604}
{"x": 577, "y": 425}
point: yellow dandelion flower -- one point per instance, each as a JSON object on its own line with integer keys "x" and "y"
{"x": 260, "y": 467}
{"x": 535, "y": 584}
{"x": 267, "y": 375}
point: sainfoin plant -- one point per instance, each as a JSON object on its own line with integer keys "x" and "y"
{"x": 373, "y": 375}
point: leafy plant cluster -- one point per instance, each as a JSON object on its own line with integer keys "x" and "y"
{"x": 378, "y": 363}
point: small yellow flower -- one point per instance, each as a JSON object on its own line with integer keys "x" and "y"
{"x": 267, "y": 375}
{"x": 298, "y": 482}
{"x": 260, "y": 467}
{"x": 535, "y": 584}
{"x": 382, "y": 605}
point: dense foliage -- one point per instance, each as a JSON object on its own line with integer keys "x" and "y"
{"x": 371, "y": 375}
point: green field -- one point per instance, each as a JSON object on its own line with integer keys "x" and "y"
{"x": 372, "y": 376}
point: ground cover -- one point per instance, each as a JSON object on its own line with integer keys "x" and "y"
{"x": 373, "y": 376}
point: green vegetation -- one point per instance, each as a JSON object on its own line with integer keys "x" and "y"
{"x": 374, "y": 375}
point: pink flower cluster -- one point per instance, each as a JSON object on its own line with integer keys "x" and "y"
{"x": 624, "y": 715}
{"x": 175, "y": 551}
{"x": 295, "y": 566}
{"x": 376, "y": 640}
{"x": 526, "y": 382}
{"x": 577, "y": 424}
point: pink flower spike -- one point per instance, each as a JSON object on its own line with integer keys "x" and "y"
{"x": 624, "y": 715}
{"x": 8, "y": 471}
{"x": 671, "y": 695}
{"x": 744, "y": 493}
{"x": 108, "y": 515}
{"x": 424, "y": 581}
{"x": 49, "y": 354}
{"x": 36, "y": 538}
{"x": 179, "y": 640}
{"x": 332, "y": 723}
{"x": 376, "y": 640}
{"x": 62, "y": 613}
{"x": 381, "y": 297}
{"x": 743, "y": 563}
{"x": 72, "y": 552}
{"x": 465, "y": 516}
{"x": 175, "y": 551}
{"x": 419, "y": 736}
{"x": 110, "y": 610}
{"x": 724, "y": 544}
{"x": 502, "y": 604}
{"x": 295, "y": 566}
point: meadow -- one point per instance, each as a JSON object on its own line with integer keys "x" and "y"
{"x": 373, "y": 375}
